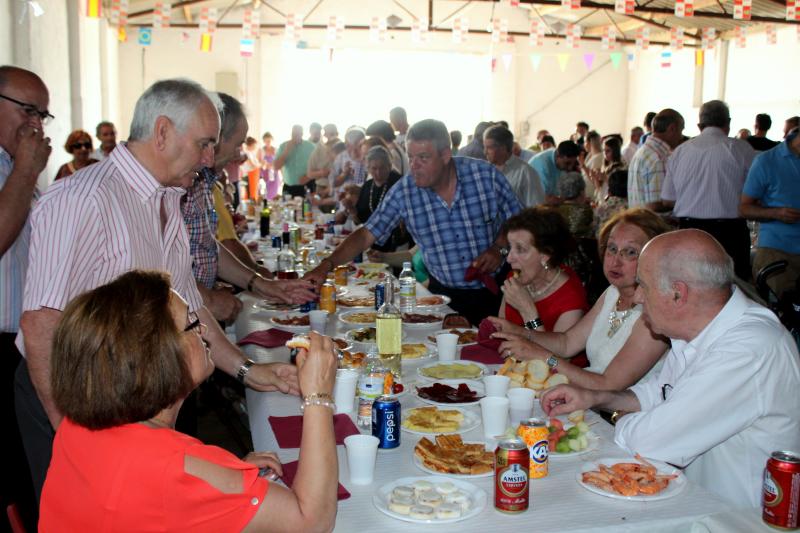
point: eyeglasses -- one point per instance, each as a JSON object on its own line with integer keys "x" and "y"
{"x": 627, "y": 254}
{"x": 195, "y": 324}
{"x": 31, "y": 110}
{"x": 75, "y": 146}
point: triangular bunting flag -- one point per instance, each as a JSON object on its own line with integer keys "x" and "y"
{"x": 145, "y": 36}
{"x": 588, "y": 60}
{"x": 563, "y": 59}
{"x": 247, "y": 47}
{"x": 666, "y": 59}
{"x": 506, "y": 61}
{"x": 536, "y": 60}
{"x": 631, "y": 61}
{"x": 205, "y": 42}
{"x": 616, "y": 57}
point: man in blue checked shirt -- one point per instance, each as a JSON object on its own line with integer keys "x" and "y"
{"x": 455, "y": 208}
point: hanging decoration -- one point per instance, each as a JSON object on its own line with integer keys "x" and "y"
{"x": 145, "y": 36}
{"x": 93, "y": 9}
{"x": 699, "y": 57}
{"x": 119, "y": 13}
{"x": 708, "y": 37}
{"x": 631, "y": 61}
{"x": 643, "y": 38}
{"x": 676, "y": 38}
{"x": 793, "y": 10}
{"x": 161, "y": 15}
{"x": 514, "y": 3}
{"x": 460, "y": 29}
{"x": 742, "y": 9}
{"x": 684, "y": 8}
{"x": 588, "y": 60}
{"x": 772, "y": 34}
{"x": 616, "y": 58}
{"x": 609, "y": 39}
{"x": 624, "y": 7}
{"x": 247, "y": 47}
{"x": 741, "y": 37}
{"x": 377, "y": 30}
{"x": 666, "y": 59}
{"x": 419, "y": 31}
{"x": 536, "y": 37}
{"x": 335, "y": 28}
{"x": 563, "y": 59}
{"x": 208, "y": 24}
{"x": 573, "y": 36}
{"x": 536, "y": 61}
{"x": 506, "y": 61}
{"x": 205, "y": 42}
{"x": 571, "y": 4}
{"x": 250, "y": 24}
{"x": 291, "y": 33}
{"x": 499, "y": 30}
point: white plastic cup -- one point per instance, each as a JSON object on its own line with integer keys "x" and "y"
{"x": 319, "y": 244}
{"x": 344, "y": 390}
{"x": 361, "y": 453}
{"x": 318, "y": 319}
{"x": 496, "y": 386}
{"x": 446, "y": 344}
{"x": 494, "y": 412}
{"x": 520, "y": 404}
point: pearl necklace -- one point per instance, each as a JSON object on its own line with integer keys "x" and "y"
{"x": 535, "y": 293}
{"x": 616, "y": 318}
{"x": 383, "y": 193}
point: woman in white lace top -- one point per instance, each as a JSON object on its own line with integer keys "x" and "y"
{"x": 620, "y": 347}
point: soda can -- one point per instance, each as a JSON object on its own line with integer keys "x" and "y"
{"x": 319, "y": 232}
{"x": 511, "y": 486}
{"x": 276, "y": 242}
{"x": 308, "y": 306}
{"x": 386, "y": 422}
{"x": 340, "y": 275}
{"x": 380, "y": 294}
{"x": 780, "y": 497}
{"x": 327, "y": 298}
{"x": 359, "y": 258}
{"x": 534, "y": 433}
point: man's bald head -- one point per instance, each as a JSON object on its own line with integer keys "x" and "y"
{"x": 27, "y": 89}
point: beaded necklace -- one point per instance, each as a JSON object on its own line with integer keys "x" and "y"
{"x": 383, "y": 193}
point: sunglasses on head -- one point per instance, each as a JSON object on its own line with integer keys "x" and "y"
{"x": 87, "y": 145}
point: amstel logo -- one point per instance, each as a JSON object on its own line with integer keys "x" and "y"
{"x": 513, "y": 480}
{"x": 539, "y": 452}
{"x": 772, "y": 494}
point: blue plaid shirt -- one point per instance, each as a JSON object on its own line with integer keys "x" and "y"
{"x": 450, "y": 237}
{"x": 200, "y": 218}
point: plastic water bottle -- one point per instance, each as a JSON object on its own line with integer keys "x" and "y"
{"x": 374, "y": 382}
{"x": 408, "y": 289}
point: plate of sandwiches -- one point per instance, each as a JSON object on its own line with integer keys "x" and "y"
{"x": 432, "y": 420}
{"x": 430, "y": 500}
{"x": 448, "y": 455}
{"x": 358, "y": 318}
{"x": 453, "y": 370}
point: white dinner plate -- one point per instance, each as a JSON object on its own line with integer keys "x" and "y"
{"x": 286, "y": 326}
{"x": 429, "y": 354}
{"x": 443, "y": 301}
{"x": 470, "y": 422}
{"x": 476, "y": 386}
{"x": 478, "y": 499}
{"x": 484, "y": 370}
{"x": 344, "y": 318}
{"x": 425, "y": 325}
{"x": 433, "y": 336}
{"x": 365, "y": 346}
{"x": 419, "y": 464}
{"x": 275, "y": 306}
{"x": 370, "y": 298}
{"x": 673, "y": 489}
{"x": 594, "y": 443}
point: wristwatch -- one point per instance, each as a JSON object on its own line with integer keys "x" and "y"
{"x": 552, "y": 362}
{"x": 533, "y": 324}
{"x": 244, "y": 369}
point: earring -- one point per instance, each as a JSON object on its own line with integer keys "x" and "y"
{"x": 545, "y": 266}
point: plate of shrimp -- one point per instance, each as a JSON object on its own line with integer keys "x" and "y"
{"x": 641, "y": 480}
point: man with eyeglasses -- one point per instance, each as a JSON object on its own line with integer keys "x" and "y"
{"x": 726, "y": 397}
{"x": 24, "y": 151}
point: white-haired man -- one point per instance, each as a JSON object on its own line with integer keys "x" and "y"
{"x": 118, "y": 215}
{"x": 726, "y": 397}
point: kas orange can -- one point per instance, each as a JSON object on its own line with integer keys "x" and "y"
{"x": 534, "y": 433}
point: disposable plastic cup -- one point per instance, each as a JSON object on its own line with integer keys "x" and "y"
{"x": 520, "y": 404}
{"x": 446, "y": 344}
{"x": 494, "y": 412}
{"x": 361, "y": 453}
{"x": 496, "y": 385}
{"x": 318, "y": 319}
{"x": 344, "y": 390}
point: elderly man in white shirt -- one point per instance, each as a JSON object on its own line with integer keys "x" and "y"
{"x": 498, "y": 146}
{"x": 726, "y": 397}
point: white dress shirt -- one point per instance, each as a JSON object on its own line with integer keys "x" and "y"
{"x": 705, "y": 175}
{"x": 731, "y": 400}
{"x": 524, "y": 181}
{"x": 629, "y": 151}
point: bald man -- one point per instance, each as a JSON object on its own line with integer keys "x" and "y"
{"x": 726, "y": 397}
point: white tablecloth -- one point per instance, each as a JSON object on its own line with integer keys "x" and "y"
{"x": 558, "y": 502}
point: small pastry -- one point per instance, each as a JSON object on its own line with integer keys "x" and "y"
{"x": 401, "y": 505}
{"x": 430, "y": 497}
{"x": 422, "y": 512}
{"x": 448, "y": 510}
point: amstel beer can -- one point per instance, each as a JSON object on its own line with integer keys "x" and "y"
{"x": 781, "y": 493}
{"x": 386, "y": 422}
{"x": 511, "y": 465}
{"x": 534, "y": 433}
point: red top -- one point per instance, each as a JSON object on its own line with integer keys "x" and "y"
{"x": 132, "y": 478}
{"x": 570, "y": 296}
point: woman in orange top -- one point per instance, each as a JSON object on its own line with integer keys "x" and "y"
{"x": 119, "y": 376}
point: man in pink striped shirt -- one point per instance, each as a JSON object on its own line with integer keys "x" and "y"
{"x": 122, "y": 214}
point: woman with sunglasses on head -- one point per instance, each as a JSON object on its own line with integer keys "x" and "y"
{"x": 79, "y": 145}
{"x": 119, "y": 375}
{"x": 620, "y": 347}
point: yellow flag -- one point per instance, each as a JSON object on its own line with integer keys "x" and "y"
{"x": 93, "y": 8}
{"x": 205, "y": 42}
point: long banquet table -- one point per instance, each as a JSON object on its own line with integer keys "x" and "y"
{"x": 558, "y": 502}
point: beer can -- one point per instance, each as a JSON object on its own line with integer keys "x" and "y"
{"x": 511, "y": 466}
{"x": 534, "y": 433}
{"x": 327, "y": 298}
{"x": 386, "y": 421}
{"x": 340, "y": 275}
{"x": 780, "y": 497}
{"x": 380, "y": 294}
{"x": 276, "y": 242}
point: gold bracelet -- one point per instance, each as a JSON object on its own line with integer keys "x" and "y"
{"x": 322, "y": 399}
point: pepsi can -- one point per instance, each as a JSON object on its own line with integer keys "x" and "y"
{"x": 308, "y": 306}
{"x": 380, "y": 294}
{"x": 386, "y": 422}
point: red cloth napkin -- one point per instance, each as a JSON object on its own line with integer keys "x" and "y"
{"x": 289, "y": 429}
{"x": 270, "y": 338}
{"x": 473, "y": 273}
{"x": 481, "y": 354}
{"x": 290, "y": 470}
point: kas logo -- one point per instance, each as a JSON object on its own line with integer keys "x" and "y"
{"x": 539, "y": 452}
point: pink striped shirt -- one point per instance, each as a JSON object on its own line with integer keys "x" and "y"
{"x": 100, "y": 223}
{"x": 705, "y": 175}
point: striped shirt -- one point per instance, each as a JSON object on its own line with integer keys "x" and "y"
{"x": 200, "y": 218}
{"x": 705, "y": 175}
{"x": 14, "y": 262}
{"x": 358, "y": 176}
{"x": 450, "y": 237}
{"x": 646, "y": 172}
{"x": 101, "y": 222}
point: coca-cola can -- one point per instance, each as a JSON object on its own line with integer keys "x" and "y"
{"x": 780, "y": 497}
{"x": 511, "y": 468}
